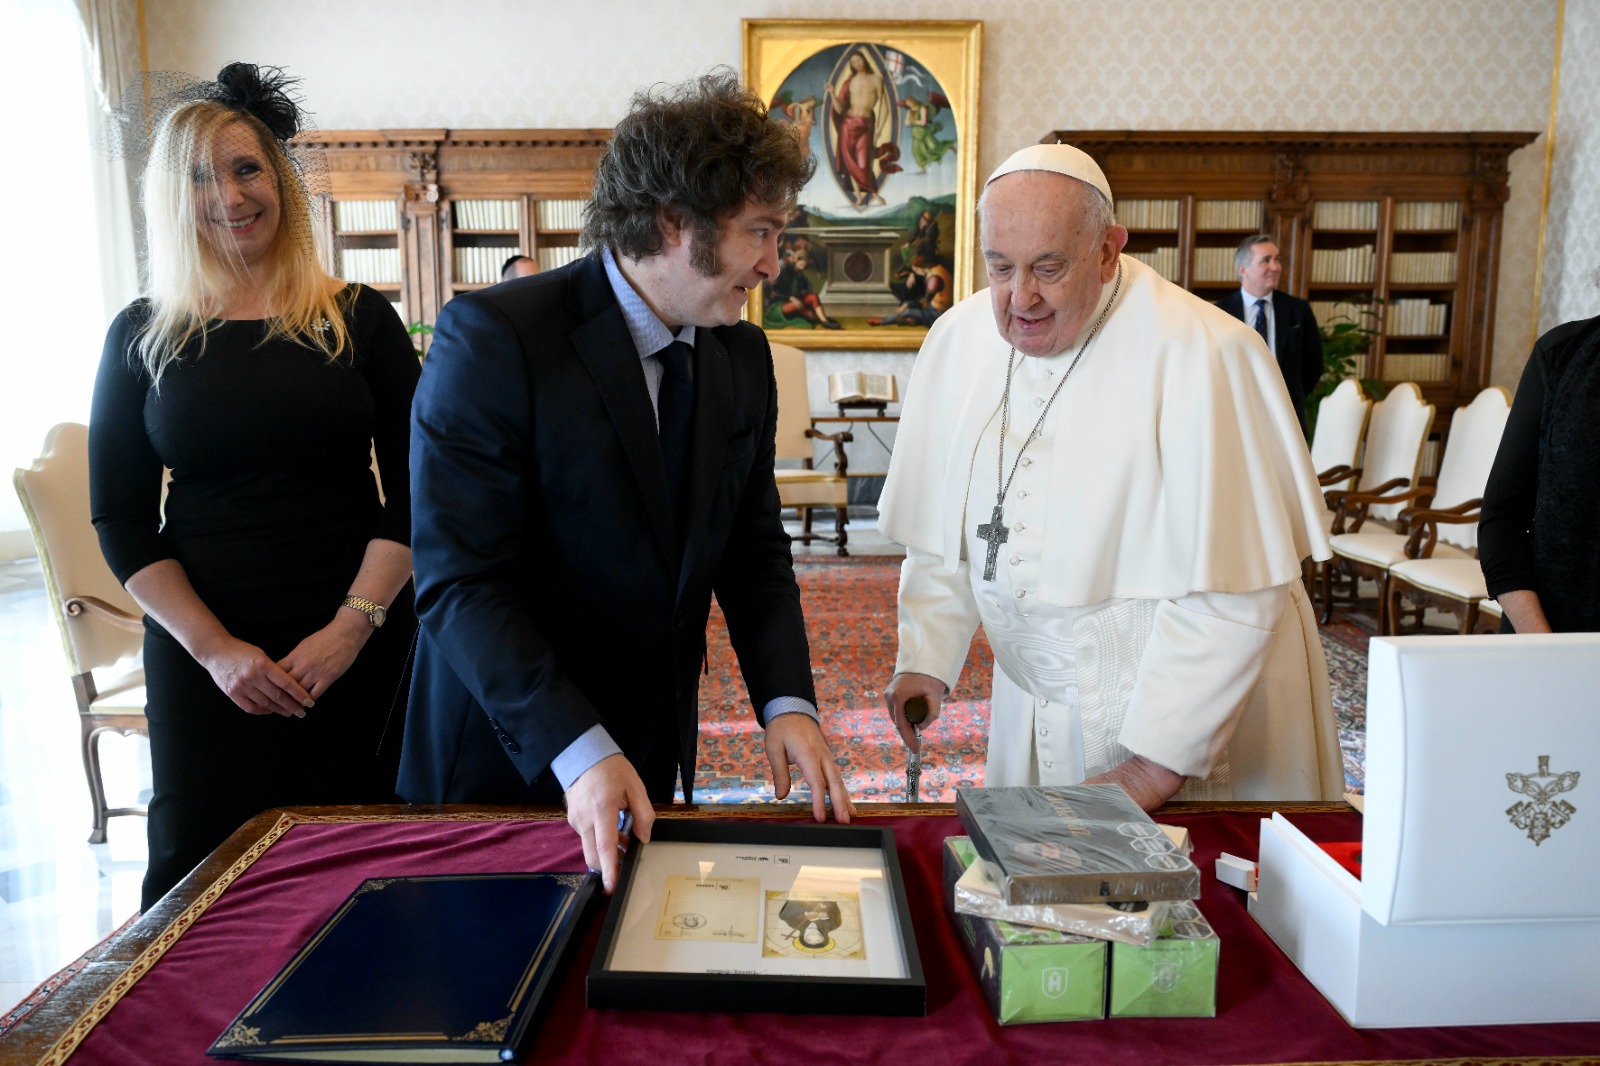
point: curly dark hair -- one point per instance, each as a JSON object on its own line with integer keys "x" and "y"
{"x": 699, "y": 149}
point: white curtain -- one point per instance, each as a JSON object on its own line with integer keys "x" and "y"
{"x": 111, "y": 32}
{"x": 67, "y": 262}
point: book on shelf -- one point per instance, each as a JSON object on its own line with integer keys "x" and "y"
{"x": 365, "y": 216}
{"x": 861, "y": 387}
{"x": 1215, "y": 265}
{"x": 1074, "y": 844}
{"x": 1228, "y": 214}
{"x": 480, "y": 264}
{"x": 559, "y": 214}
{"x": 1345, "y": 214}
{"x": 1163, "y": 261}
{"x": 1148, "y": 214}
{"x": 488, "y": 214}
{"x": 558, "y": 255}
{"x": 452, "y": 968}
{"x": 1427, "y": 215}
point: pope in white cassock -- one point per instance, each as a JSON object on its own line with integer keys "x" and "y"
{"x": 1107, "y": 473}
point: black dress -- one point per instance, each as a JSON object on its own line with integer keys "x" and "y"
{"x": 1541, "y": 508}
{"x": 270, "y": 509}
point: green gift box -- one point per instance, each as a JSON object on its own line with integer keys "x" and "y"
{"x": 1175, "y": 976}
{"x": 1028, "y": 974}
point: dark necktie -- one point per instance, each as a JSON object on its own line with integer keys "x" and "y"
{"x": 1261, "y": 323}
{"x": 674, "y": 405}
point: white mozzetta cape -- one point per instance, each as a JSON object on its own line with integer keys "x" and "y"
{"x": 1189, "y": 471}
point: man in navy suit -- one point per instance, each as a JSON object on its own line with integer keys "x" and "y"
{"x": 1285, "y": 322}
{"x": 592, "y": 459}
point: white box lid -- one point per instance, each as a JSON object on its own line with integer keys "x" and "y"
{"x": 1483, "y": 779}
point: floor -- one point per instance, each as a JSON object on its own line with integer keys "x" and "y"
{"x": 59, "y": 894}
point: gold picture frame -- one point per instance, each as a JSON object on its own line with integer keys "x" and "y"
{"x": 883, "y": 237}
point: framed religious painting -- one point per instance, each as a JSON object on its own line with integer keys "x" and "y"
{"x": 881, "y": 241}
{"x": 746, "y": 916}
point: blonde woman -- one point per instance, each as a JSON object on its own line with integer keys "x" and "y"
{"x": 276, "y": 584}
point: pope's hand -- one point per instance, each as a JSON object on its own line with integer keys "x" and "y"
{"x": 595, "y": 802}
{"x": 904, "y": 687}
{"x": 797, "y": 738}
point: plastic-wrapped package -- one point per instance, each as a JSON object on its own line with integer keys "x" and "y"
{"x": 977, "y": 892}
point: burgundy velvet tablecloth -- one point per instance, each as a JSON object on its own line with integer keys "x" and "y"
{"x": 1266, "y": 1011}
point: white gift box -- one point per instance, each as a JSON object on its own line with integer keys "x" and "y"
{"x": 1477, "y": 903}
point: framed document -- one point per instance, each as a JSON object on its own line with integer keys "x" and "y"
{"x": 738, "y": 916}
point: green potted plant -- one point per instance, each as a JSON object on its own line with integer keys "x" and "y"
{"x": 416, "y": 331}
{"x": 1345, "y": 338}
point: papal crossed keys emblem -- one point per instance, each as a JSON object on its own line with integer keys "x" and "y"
{"x": 1541, "y": 813}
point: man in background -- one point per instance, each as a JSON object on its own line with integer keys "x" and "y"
{"x": 1285, "y": 322}
{"x": 593, "y": 456}
{"x": 518, "y": 266}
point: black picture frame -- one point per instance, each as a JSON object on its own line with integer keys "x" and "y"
{"x": 663, "y": 989}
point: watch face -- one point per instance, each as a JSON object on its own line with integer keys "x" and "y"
{"x": 378, "y": 616}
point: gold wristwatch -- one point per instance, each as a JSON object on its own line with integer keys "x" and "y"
{"x": 375, "y": 612}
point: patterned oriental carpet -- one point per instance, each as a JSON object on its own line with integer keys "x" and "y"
{"x": 850, "y": 616}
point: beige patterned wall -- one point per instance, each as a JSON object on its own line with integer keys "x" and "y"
{"x": 1087, "y": 64}
{"x": 1572, "y": 241}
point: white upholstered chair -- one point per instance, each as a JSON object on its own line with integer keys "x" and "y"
{"x": 100, "y": 624}
{"x": 1440, "y": 567}
{"x": 1442, "y": 521}
{"x": 1396, "y": 432}
{"x": 1341, "y": 427}
{"x": 801, "y": 486}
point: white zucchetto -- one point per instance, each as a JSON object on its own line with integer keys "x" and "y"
{"x": 1057, "y": 159}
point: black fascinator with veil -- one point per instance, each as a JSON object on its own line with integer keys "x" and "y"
{"x": 265, "y": 93}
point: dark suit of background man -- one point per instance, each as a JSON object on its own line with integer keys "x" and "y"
{"x": 562, "y": 585}
{"x": 1290, "y": 329}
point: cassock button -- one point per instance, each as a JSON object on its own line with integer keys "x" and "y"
{"x": 1016, "y": 560}
{"x": 1048, "y": 765}
{"x": 1022, "y": 494}
{"x": 1027, "y": 460}
{"x": 1043, "y": 732}
{"x": 1021, "y": 526}
{"x": 1038, "y": 401}
{"x": 1044, "y": 703}
{"x": 1021, "y": 593}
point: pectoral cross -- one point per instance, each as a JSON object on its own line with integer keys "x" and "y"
{"x": 995, "y": 532}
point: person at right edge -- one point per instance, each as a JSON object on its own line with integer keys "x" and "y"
{"x": 1540, "y": 524}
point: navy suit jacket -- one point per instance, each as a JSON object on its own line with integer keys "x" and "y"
{"x": 552, "y": 589}
{"x": 1299, "y": 344}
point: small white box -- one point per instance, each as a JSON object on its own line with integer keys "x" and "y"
{"x": 1481, "y": 842}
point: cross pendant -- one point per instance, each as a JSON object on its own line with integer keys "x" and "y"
{"x": 995, "y": 532}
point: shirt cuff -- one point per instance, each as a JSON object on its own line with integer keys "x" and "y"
{"x": 788, "y": 705}
{"x": 595, "y": 744}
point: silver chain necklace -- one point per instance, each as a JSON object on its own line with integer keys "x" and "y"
{"x": 994, "y": 531}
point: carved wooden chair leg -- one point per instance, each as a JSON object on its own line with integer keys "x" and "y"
{"x": 1395, "y": 613}
{"x": 841, "y": 516}
{"x": 1327, "y": 591}
{"x": 1469, "y": 618}
{"x": 97, "y": 788}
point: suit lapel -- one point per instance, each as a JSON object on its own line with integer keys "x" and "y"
{"x": 713, "y": 399}
{"x": 606, "y": 348}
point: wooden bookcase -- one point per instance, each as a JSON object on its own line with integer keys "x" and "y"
{"x": 424, "y": 214}
{"x": 1411, "y": 219}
